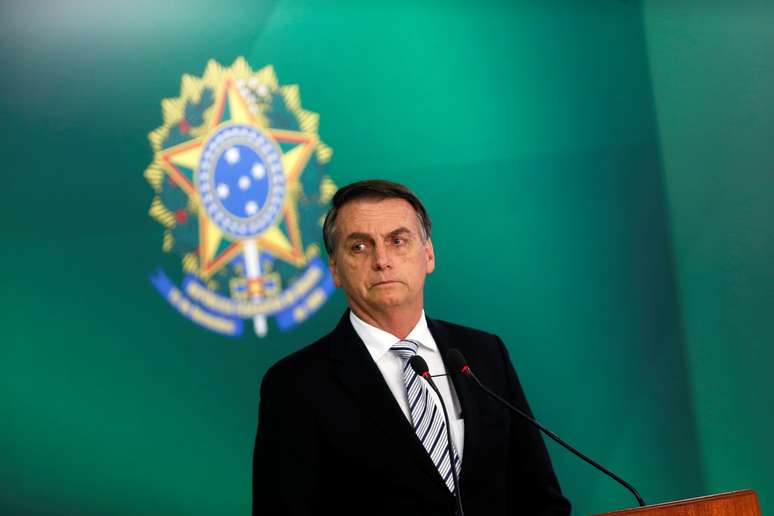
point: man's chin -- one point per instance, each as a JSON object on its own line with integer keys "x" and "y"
{"x": 387, "y": 301}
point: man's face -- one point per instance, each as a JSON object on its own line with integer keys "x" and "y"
{"x": 380, "y": 259}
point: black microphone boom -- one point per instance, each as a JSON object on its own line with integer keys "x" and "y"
{"x": 419, "y": 366}
{"x": 458, "y": 364}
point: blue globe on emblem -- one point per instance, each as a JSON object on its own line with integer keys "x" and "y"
{"x": 241, "y": 180}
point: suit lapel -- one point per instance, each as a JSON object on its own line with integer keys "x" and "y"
{"x": 469, "y": 398}
{"x": 358, "y": 373}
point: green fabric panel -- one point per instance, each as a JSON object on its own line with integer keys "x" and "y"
{"x": 713, "y": 71}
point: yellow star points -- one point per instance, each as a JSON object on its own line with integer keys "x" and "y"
{"x": 216, "y": 249}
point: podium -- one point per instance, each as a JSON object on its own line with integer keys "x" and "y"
{"x": 736, "y": 503}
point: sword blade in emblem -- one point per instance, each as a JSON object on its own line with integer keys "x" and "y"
{"x": 252, "y": 257}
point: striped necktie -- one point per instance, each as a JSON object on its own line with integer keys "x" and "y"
{"x": 426, "y": 415}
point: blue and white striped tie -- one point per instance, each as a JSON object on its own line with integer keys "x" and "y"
{"x": 426, "y": 415}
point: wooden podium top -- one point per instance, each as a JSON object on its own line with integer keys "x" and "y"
{"x": 736, "y": 503}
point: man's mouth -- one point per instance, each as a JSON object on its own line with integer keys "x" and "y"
{"x": 383, "y": 283}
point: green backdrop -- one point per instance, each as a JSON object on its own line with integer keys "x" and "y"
{"x": 599, "y": 176}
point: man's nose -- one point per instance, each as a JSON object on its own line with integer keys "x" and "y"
{"x": 381, "y": 257}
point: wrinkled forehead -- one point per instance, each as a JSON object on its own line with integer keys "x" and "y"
{"x": 376, "y": 217}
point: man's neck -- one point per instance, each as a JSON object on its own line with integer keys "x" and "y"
{"x": 396, "y": 322}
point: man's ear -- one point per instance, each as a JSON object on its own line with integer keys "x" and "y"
{"x": 334, "y": 272}
{"x": 430, "y": 256}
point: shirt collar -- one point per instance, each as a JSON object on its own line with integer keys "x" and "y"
{"x": 378, "y": 342}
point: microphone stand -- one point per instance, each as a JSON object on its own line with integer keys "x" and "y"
{"x": 419, "y": 366}
{"x": 466, "y": 371}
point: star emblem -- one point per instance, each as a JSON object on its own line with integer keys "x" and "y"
{"x": 282, "y": 239}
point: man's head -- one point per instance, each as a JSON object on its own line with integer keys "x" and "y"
{"x": 377, "y": 235}
{"x": 374, "y": 190}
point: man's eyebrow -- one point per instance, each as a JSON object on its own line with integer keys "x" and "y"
{"x": 366, "y": 236}
{"x": 358, "y": 236}
{"x": 399, "y": 231}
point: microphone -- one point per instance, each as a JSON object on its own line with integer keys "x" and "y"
{"x": 419, "y": 366}
{"x": 459, "y": 365}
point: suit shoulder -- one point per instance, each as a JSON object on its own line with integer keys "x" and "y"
{"x": 299, "y": 362}
{"x": 460, "y": 333}
{"x": 459, "y": 328}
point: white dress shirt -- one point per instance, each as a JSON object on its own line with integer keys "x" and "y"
{"x": 378, "y": 343}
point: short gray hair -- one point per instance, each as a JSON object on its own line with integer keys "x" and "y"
{"x": 375, "y": 189}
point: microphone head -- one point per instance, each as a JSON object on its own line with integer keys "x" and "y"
{"x": 457, "y": 362}
{"x": 419, "y": 365}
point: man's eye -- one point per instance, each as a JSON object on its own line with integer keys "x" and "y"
{"x": 358, "y": 248}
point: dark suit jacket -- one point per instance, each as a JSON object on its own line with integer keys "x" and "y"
{"x": 332, "y": 439}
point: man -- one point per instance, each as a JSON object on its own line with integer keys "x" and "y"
{"x": 345, "y": 426}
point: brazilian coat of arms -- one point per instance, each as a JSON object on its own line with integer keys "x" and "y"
{"x": 241, "y": 190}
